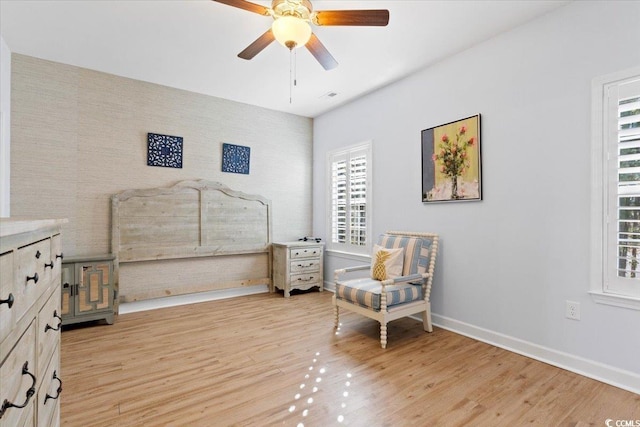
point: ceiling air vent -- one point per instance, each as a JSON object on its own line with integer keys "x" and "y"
{"x": 328, "y": 95}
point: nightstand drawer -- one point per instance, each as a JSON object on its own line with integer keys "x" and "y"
{"x": 297, "y": 253}
{"x": 300, "y": 281}
{"x": 305, "y": 265}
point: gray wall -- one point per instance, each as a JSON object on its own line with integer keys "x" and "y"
{"x": 507, "y": 264}
{"x": 78, "y": 136}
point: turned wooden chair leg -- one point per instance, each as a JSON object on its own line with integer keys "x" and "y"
{"x": 336, "y": 313}
{"x": 383, "y": 335}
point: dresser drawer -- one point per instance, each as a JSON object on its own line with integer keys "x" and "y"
{"x": 27, "y": 419}
{"x": 48, "y": 331}
{"x": 305, "y": 265}
{"x": 32, "y": 280}
{"x": 18, "y": 379}
{"x": 56, "y": 254}
{"x": 10, "y": 305}
{"x": 296, "y": 253}
{"x": 49, "y": 391}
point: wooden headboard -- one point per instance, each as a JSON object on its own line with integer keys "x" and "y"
{"x": 200, "y": 226}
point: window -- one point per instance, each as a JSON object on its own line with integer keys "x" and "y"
{"x": 350, "y": 198}
{"x": 616, "y": 206}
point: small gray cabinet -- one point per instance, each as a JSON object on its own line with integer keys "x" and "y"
{"x": 88, "y": 290}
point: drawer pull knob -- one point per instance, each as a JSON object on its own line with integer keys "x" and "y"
{"x": 59, "y": 390}
{"x": 50, "y": 265}
{"x": 32, "y": 390}
{"x": 34, "y": 278}
{"x": 57, "y": 328}
{"x": 9, "y": 301}
{"x": 61, "y": 256}
{"x": 38, "y": 254}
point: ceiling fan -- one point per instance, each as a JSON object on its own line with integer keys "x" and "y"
{"x": 291, "y": 25}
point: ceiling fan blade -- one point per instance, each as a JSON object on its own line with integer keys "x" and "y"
{"x": 256, "y": 47}
{"x": 246, "y": 5}
{"x": 321, "y": 53}
{"x": 376, "y": 18}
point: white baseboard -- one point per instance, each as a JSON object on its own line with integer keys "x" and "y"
{"x": 625, "y": 380}
{"x": 152, "y": 304}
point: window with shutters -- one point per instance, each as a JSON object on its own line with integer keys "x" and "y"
{"x": 616, "y": 194}
{"x": 350, "y": 199}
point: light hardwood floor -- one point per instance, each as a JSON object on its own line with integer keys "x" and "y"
{"x": 264, "y": 360}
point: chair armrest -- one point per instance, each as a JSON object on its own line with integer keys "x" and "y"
{"x": 402, "y": 279}
{"x": 356, "y": 268}
{"x": 340, "y": 271}
{"x": 408, "y": 278}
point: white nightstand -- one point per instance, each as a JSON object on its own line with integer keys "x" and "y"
{"x": 297, "y": 265}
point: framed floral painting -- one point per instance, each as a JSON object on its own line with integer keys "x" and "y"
{"x": 451, "y": 161}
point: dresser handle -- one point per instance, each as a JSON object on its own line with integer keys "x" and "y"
{"x": 50, "y": 265}
{"x": 305, "y": 280}
{"x": 38, "y": 253}
{"x": 61, "y": 256}
{"x": 308, "y": 265}
{"x": 57, "y": 328}
{"x": 59, "y": 390}
{"x": 34, "y": 278}
{"x": 32, "y": 390}
{"x": 9, "y": 301}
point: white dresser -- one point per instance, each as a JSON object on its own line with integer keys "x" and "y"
{"x": 297, "y": 265}
{"x": 30, "y": 322}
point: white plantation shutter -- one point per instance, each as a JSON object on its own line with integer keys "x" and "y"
{"x": 349, "y": 198}
{"x": 339, "y": 197}
{"x": 622, "y": 133}
{"x": 358, "y": 199}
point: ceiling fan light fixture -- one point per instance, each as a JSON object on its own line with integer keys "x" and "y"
{"x": 291, "y": 31}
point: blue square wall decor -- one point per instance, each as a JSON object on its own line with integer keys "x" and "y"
{"x": 235, "y": 158}
{"x": 164, "y": 150}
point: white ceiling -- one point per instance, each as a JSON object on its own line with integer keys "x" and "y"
{"x": 193, "y": 45}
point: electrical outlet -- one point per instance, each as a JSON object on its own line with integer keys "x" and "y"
{"x": 573, "y": 310}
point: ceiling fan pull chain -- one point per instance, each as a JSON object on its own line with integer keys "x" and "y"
{"x": 290, "y": 76}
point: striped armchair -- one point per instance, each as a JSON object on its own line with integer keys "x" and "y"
{"x": 392, "y": 297}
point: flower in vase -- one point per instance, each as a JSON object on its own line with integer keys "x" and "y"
{"x": 453, "y": 157}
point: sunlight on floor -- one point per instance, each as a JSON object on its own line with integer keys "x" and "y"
{"x": 310, "y": 386}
